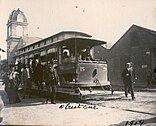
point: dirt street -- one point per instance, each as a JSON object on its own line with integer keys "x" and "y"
{"x": 103, "y": 109}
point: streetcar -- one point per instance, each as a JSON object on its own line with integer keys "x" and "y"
{"x": 73, "y": 53}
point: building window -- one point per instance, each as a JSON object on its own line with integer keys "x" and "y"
{"x": 19, "y": 31}
{"x": 20, "y": 17}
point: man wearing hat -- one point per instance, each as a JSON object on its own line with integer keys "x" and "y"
{"x": 51, "y": 81}
{"x": 54, "y": 82}
{"x": 29, "y": 74}
{"x": 129, "y": 77}
{"x": 24, "y": 79}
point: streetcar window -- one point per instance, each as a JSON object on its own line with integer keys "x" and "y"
{"x": 36, "y": 45}
{"x": 48, "y": 41}
{"x": 41, "y": 44}
{"x": 55, "y": 38}
{"x": 86, "y": 53}
{"x": 68, "y": 54}
{"x": 31, "y": 47}
{"x": 51, "y": 39}
{"x": 60, "y": 37}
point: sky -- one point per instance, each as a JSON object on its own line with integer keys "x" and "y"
{"x": 105, "y": 20}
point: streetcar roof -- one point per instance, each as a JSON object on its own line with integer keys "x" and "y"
{"x": 81, "y": 41}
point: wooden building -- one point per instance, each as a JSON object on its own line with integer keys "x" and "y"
{"x": 100, "y": 52}
{"x": 137, "y": 45}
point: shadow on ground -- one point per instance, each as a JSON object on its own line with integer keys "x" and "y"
{"x": 33, "y": 101}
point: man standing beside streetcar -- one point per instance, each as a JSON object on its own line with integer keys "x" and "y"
{"x": 51, "y": 81}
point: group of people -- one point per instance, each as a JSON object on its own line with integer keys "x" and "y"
{"x": 25, "y": 75}
{"x": 12, "y": 81}
{"x": 48, "y": 73}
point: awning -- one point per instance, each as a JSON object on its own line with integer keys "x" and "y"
{"x": 52, "y": 50}
{"x": 26, "y": 57}
{"x": 22, "y": 59}
{"x": 31, "y": 56}
{"x": 43, "y": 53}
{"x": 36, "y": 53}
{"x": 16, "y": 62}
